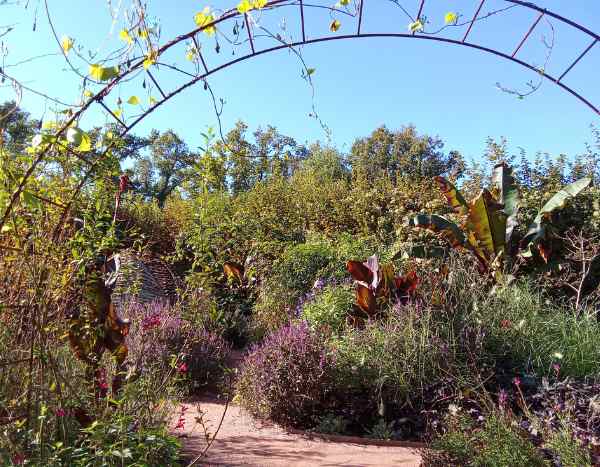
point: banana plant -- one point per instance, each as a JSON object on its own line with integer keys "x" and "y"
{"x": 488, "y": 222}
{"x": 377, "y": 285}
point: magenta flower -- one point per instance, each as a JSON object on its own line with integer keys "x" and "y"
{"x": 517, "y": 381}
{"x": 60, "y": 413}
{"x": 182, "y": 368}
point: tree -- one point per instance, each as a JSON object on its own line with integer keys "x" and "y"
{"x": 403, "y": 153}
{"x": 161, "y": 172}
{"x": 16, "y": 127}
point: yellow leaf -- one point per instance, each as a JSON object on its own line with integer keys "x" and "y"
{"x": 335, "y": 25}
{"x": 416, "y": 26}
{"x": 150, "y": 59}
{"x": 118, "y": 113}
{"x": 125, "y": 37}
{"x": 101, "y": 73}
{"x": 259, "y": 4}
{"x": 244, "y": 6}
{"x": 66, "y": 43}
{"x": 133, "y": 100}
{"x": 450, "y": 17}
{"x": 143, "y": 33}
{"x": 152, "y": 100}
{"x": 88, "y": 93}
{"x": 204, "y": 18}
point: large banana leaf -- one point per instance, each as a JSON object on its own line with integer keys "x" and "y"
{"x": 455, "y": 199}
{"x": 486, "y": 226}
{"x": 438, "y": 224}
{"x": 536, "y": 231}
{"x": 505, "y": 184}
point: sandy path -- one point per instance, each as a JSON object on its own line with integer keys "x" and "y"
{"x": 244, "y": 441}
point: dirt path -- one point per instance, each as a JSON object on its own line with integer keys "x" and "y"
{"x": 244, "y": 441}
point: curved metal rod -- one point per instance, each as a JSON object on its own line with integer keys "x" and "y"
{"x": 555, "y": 15}
{"x": 356, "y": 36}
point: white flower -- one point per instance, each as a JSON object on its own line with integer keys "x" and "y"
{"x": 558, "y": 355}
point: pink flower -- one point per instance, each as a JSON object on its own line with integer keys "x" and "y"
{"x": 516, "y": 381}
{"x": 18, "y": 459}
{"x": 60, "y": 413}
{"x": 182, "y": 368}
{"x": 556, "y": 368}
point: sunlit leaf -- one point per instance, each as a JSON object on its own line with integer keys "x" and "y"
{"x": 486, "y": 226}
{"x": 259, "y": 4}
{"x": 234, "y": 270}
{"x": 88, "y": 93}
{"x": 244, "y": 6}
{"x": 416, "y": 26}
{"x": 133, "y": 100}
{"x": 344, "y": 2}
{"x": 152, "y": 100}
{"x": 454, "y": 198}
{"x": 66, "y": 43}
{"x": 74, "y": 136}
{"x": 100, "y": 73}
{"x": 203, "y": 19}
{"x": 143, "y": 33}
{"x": 118, "y": 112}
{"x": 450, "y": 18}
{"x": 335, "y": 25}
{"x": 125, "y": 37}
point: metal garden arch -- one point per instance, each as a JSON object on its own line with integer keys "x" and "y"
{"x": 591, "y": 37}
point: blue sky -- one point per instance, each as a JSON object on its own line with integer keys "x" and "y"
{"x": 443, "y": 90}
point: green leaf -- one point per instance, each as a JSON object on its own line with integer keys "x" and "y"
{"x": 438, "y": 224}
{"x": 536, "y": 232}
{"x": 100, "y": 73}
{"x": 505, "y": 186}
{"x": 310, "y": 71}
{"x": 30, "y": 200}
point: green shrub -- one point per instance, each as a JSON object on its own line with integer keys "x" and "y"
{"x": 393, "y": 362}
{"x": 300, "y": 265}
{"x": 498, "y": 442}
{"x": 523, "y": 332}
{"x": 330, "y": 308}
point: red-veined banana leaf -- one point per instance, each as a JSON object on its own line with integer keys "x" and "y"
{"x": 486, "y": 226}
{"x": 536, "y": 233}
{"x": 506, "y": 188}
{"x": 438, "y": 224}
{"x": 455, "y": 199}
{"x": 376, "y": 284}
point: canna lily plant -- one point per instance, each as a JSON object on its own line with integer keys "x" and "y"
{"x": 489, "y": 221}
{"x": 377, "y": 285}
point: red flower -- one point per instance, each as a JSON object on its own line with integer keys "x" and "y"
{"x": 182, "y": 368}
{"x": 505, "y": 324}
